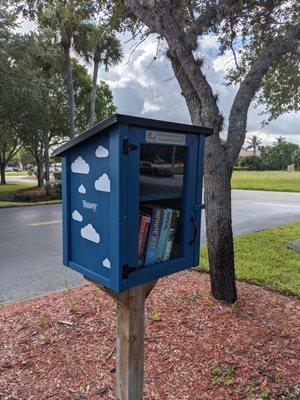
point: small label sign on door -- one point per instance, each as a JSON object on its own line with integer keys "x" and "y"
{"x": 165, "y": 138}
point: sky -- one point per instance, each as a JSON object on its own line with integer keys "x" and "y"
{"x": 147, "y": 88}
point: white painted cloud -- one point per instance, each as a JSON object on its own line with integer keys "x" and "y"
{"x": 106, "y": 263}
{"x": 79, "y": 166}
{"x": 77, "y": 216}
{"x": 89, "y": 233}
{"x": 102, "y": 184}
{"x": 101, "y": 152}
{"x": 82, "y": 189}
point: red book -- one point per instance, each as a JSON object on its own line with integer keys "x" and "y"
{"x": 143, "y": 235}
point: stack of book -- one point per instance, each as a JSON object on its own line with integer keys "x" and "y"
{"x": 157, "y": 234}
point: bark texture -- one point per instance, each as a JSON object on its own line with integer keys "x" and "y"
{"x": 94, "y": 87}
{"x": 9, "y": 146}
{"x": 71, "y": 101}
{"x": 40, "y": 173}
{"x": 170, "y": 23}
{"x": 2, "y": 172}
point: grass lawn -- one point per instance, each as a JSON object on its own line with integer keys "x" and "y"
{"x": 12, "y": 186}
{"x": 263, "y": 258}
{"x": 266, "y": 180}
{"x": 9, "y": 204}
{"x": 21, "y": 173}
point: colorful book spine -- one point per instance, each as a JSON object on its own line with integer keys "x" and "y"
{"x": 143, "y": 236}
{"x": 176, "y": 238}
{"x": 153, "y": 239}
{"x": 171, "y": 237}
{"x": 167, "y": 216}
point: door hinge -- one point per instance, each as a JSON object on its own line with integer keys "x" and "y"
{"x": 199, "y": 206}
{"x": 127, "y": 147}
{"x": 127, "y": 271}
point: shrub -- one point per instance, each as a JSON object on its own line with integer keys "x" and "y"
{"x": 253, "y": 163}
{"x": 145, "y": 163}
{"x": 53, "y": 190}
{"x": 156, "y": 171}
{"x": 57, "y": 175}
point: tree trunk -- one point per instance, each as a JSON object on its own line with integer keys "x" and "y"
{"x": 2, "y": 168}
{"x": 46, "y": 157}
{"x": 71, "y": 101}
{"x": 40, "y": 174}
{"x": 217, "y": 196}
{"x": 94, "y": 91}
{"x": 219, "y": 159}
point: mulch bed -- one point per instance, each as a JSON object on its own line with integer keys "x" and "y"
{"x": 60, "y": 346}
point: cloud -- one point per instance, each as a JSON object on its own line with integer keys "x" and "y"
{"x": 150, "y": 107}
{"x": 82, "y": 189}
{"x": 89, "y": 233}
{"x": 103, "y": 183}
{"x": 106, "y": 263}
{"x": 77, "y": 216}
{"x": 79, "y": 166}
{"x": 154, "y": 91}
{"x": 101, "y": 152}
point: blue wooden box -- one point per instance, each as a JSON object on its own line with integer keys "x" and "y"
{"x": 118, "y": 172}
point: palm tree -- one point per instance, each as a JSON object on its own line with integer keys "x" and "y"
{"x": 279, "y": 141}
{"x": 65, "y": 19}
{"x": 103, "y": 48}
{"x": 253, "y": 143}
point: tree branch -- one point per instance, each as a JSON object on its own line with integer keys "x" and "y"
{"x": 213, "y": 12}
{"x": 250, "y": 85}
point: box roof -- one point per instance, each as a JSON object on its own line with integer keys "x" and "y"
{"x": 134, "y": 121}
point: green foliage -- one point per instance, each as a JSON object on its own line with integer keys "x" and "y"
{"x": 53, "y": 189}
{"x": 248, "y": 29}
{"x": 12, "y": 204}
{"x": 45, "y": 337}
{"x": 263, "y": 258}
{"x": 253, "y": 143}
{"x": 100, "y": 45}
{"x": 57, "y": 175}
{"x": 82, "y": 87}
{"x": 156, "y": 171}
{"x": 252, "y": 163}
{"x": 223, "y": 374}
{"x": 275, "y": 157}
{"x": 71, "y": 299}
{"x": 280, "y": 155}
{"x": 42, "y": 320}
{"x": 156, "y": 316}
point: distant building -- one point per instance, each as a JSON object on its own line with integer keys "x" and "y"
{"x": 247, "y": 153}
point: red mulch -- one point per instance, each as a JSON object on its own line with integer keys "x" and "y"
{"x": 254, "y": 345}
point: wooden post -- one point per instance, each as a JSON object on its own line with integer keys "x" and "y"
{"x": 130, "y": 340}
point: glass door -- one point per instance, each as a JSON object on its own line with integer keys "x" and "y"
{"x": 163, "y": 178}
{"x": 161, "y": 186}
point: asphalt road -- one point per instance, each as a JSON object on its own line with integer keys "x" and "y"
{"x": 30, "y": 240}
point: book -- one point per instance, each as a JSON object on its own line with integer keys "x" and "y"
{"x": 175, "y": 250}
{"x": 143, "y": 236}
{"x": 171, "y": 236}
{"x": 154, "y": 233}
{"x": 164, "y": 233}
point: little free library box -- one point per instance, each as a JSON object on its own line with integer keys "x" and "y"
{"x": 132, "y": 200}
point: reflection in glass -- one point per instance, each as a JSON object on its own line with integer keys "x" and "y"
{"x": 161, "y": 170}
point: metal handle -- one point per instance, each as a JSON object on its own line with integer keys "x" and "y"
{"x": 195, "y": 231}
